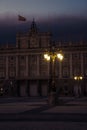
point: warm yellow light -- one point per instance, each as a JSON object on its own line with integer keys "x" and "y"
{"x": 47, "y": 57}
{"x": 60, "y": 56}
{"x": 75, "y": 77}
{"x": 80, "y": 77}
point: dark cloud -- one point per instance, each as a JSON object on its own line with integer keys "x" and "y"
{"x": 63, "y": 28}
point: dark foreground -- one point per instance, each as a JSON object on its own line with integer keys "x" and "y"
{"x": 36, "y": 114}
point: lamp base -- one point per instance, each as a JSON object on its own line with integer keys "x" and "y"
{"x": 52, "y": 98}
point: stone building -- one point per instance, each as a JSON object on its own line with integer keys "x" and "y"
{"x": 25, "y": 72}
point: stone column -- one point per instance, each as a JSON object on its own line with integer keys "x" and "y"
{"x": 71, "y": 75}
{"x": 38, "y": 62}
{"x": 27, "y": 66}
{"x": 7, "y": 67}
{"x": 17, "y": 66}
{"x": 82, "y": 63}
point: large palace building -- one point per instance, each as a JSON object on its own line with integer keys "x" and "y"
{"x": 25, "y": 72}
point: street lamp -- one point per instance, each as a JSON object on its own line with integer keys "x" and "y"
{"x": 78, "y": 78}
{"x": 51, "y": 55}
{"x": 78, "y": 87}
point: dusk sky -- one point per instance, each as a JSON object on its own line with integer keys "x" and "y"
{"x": 67, "y": 19}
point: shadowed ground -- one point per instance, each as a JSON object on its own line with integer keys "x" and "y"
{"x": 36, "y": 114}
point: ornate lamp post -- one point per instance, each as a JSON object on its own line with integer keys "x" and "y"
{"x": 51, "y": 55}
{"x": 78, "y": 87}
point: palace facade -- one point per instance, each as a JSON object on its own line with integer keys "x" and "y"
{"x": 25, "y": 72}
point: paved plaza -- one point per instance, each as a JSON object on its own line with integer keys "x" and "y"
{"x": 36, "y": 114}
